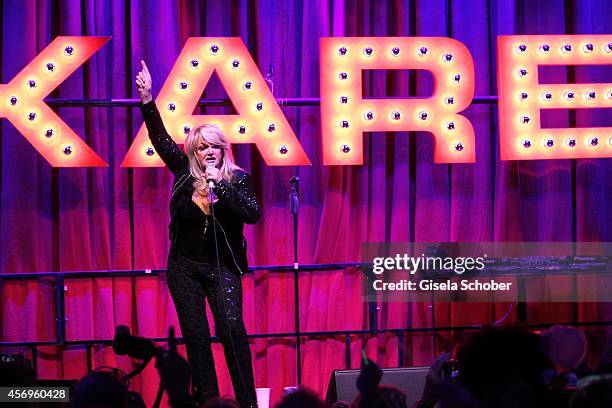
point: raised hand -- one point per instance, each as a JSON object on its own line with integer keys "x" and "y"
{"x": 144, "y": 83}
{"x": 431, "y": 390}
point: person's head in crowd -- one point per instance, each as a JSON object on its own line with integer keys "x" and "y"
{"x": 497, "y": 359}
{"x": 341, "y": 404}
{"x": 604, "y": 365}
{"x": 224, "y": 402}
{"x": 564, "y": 346}
{"x": 301, "y": 398}
{"x": 526, "y": 395}
{"x": 596, "y": 394}
{"x": 100, "y": 389}
{"x": 385, "y": 396}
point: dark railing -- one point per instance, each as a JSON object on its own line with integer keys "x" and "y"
{"x": 297, "y": 335}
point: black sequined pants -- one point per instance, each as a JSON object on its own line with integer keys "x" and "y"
{"x": 190, "y": 282}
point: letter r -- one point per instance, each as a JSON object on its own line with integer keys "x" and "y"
{"x": 522, "y": 97}
{"x": 345, "y": 114}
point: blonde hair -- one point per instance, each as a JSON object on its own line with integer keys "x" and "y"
{"x": 211, "y": 135}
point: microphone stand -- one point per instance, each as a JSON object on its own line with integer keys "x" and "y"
{"x": 295, "y": 204}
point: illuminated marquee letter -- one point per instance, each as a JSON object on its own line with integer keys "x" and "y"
{"x": 345, "y": 114}
{"x": 259, "y": 120}
{"x": 521, "y": 97}
{"x": 21, "y": 102}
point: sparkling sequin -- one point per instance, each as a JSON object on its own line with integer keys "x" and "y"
{"x": 191, "y": 282}
{"x": 239, "y": 194}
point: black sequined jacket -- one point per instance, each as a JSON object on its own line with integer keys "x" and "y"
{"x": 191, "y": 231}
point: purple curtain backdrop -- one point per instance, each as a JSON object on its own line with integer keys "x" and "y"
{"x": 116, "y": 218}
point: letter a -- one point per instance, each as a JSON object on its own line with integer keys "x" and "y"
{"x": 259, "y": 120}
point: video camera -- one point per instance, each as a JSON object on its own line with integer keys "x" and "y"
{"x": 125, "y": 343}
{"x": 140, "y": 348}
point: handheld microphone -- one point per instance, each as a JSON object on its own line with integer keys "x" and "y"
{"x": 210, "y": 183}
